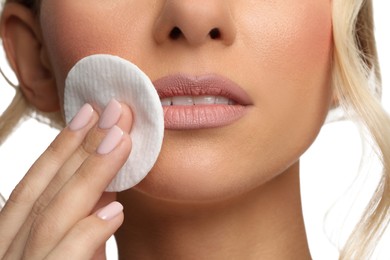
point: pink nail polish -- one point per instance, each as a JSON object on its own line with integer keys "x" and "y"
{"x": 112, "y": 139}
{"x": 81, "y": 119}
{"x": 110, "y": 115}
{"x": 110, "y": 211}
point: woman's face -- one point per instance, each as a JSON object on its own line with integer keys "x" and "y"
{"x": 277, "y": 51}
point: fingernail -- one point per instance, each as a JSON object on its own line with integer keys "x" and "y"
{"x": 110, "y": 115}
{"x": 110, "y": 211}
{"x": 110, "y": 141}
{"x": 82, "y": 118}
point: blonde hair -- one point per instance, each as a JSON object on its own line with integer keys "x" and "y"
{"x": 355, "y": 64}
{"x": 356, "y": 81}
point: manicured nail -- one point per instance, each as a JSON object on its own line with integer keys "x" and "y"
{"x": 110, "y": 115}
{"x": 110, "y": 141}
{"x": 82, "y": 118}
{"x": 110, "y": 211}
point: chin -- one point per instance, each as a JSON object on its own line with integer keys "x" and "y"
{"x": 186, "y": 182}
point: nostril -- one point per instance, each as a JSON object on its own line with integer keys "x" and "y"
{"x": 215, "y": 34}
{"x": 175, "y": 33}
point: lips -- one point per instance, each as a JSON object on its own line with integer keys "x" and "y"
{"x": 199, "y": 102}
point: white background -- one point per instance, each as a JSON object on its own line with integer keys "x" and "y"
{"x": 328, "y": 167}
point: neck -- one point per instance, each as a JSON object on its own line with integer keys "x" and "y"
{"x": 266, "y": 223}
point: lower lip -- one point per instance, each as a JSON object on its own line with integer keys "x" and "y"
{"x": 201, "y": 116}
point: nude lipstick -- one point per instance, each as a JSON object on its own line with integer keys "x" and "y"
{"x": 200, "y": 102}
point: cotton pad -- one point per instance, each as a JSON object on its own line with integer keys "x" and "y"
{"x": 99, "y": 78}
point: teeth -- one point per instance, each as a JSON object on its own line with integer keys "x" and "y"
{"x": 182, "y": 101}
{"x": 166, "y": 101}
{"x": 204, "y": 100}
{"x": 196, "y": 100}
{"x": 222, "y": 101}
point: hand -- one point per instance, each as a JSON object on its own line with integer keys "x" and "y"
{"x": 53, "y": 211}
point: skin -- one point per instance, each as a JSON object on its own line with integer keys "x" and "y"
{"x": 208, "y": 198}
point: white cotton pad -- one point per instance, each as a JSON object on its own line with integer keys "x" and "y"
{"x": 99, "y": 78}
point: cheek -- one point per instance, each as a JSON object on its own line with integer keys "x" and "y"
{"x": 290, "y": 74}
{"x": 75, "y": 29}
{"x": 292, "y": 46}
{"x": 286, "y": 32}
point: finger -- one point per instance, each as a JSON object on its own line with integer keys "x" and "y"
{"x": 40, "y": 174}
{"x": 115, "y": 113}
{"x": 80, "y": 194}
{"x": 89, "y": 234}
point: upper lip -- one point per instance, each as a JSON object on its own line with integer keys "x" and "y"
{"x": 210, "y": 85}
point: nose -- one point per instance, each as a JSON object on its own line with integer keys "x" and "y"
{"x": 195, "y": 22}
